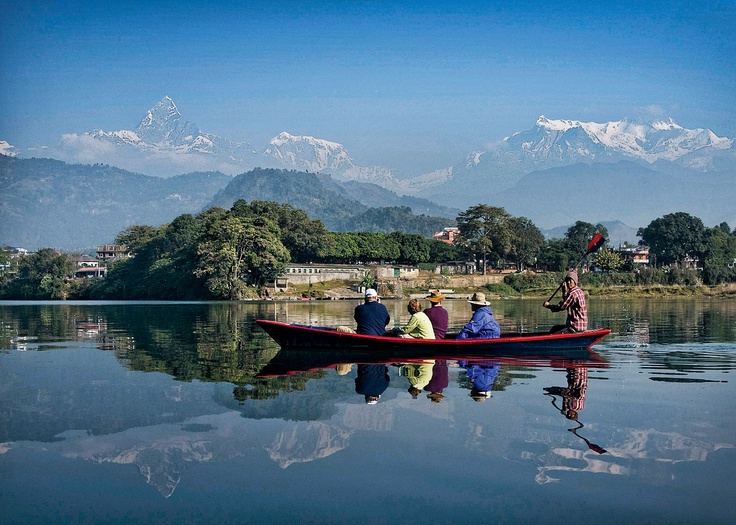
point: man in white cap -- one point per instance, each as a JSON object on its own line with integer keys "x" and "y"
{"x": 573, "y": 300}
{"x": 482, "y": 325}
{"x": 371, "y": 316}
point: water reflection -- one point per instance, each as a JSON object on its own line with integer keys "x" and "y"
{"x": 169, "y": 388}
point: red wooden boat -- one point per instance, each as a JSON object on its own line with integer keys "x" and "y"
{"x": 310, "y": 348}
{"x": 300, "y": 336}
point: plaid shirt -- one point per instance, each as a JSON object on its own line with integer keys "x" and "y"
{"x": 577, "y": 312}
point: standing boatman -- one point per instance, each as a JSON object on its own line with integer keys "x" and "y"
{"x": 573, "y": 300}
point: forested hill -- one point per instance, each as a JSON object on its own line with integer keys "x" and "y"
{"x": 330, "y": 201}
{"x": 48, "y": 203}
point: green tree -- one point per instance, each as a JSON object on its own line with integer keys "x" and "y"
{"x": 486, "y": 230}
{"x": 134, "y": 237}
{"x": 42, "y": 275}
{"x": 306, "y": 239}
{"x": 440, "y": 252}
{"x": 555, "y": 256}
{"x": 236, "y": 251}
{"x": 608, "y": 260}
{"x": 673, "y": 237}
{"x": 579, "y": 235}
{"x": 719, "y": 261}
{"x": 413, "y": 248}
{"x": 527, "y": 244}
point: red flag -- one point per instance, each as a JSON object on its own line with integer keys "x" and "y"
{"x": 595, "y": 243}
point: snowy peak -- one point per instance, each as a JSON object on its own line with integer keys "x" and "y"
{"x": 7, "y": 149}
{"x": 309, "y": 153}
{"x": 575, "y": 140}
{"x": 164, "y": 124}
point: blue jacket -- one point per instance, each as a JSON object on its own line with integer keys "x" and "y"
{"x": 481, "y": 326}
{"x": 372, "y": 318}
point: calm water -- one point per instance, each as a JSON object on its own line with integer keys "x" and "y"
{"x": 154, "y": 413}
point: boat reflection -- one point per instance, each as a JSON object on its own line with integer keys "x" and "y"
{"x": 288, "y": 362}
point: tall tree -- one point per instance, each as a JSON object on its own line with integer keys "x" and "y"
{"x": 719, "y": 261}
{"x": 485, "y": 229}
{"x": 673, "y": 237}
{"x": 306, "y": 239}
{"x": 608, "y": 260}
{"x": 579, "y": 235}
{"x": 527, "y": 243}
{"x": 236, "y": 251}
{"x": 44, "y": 274}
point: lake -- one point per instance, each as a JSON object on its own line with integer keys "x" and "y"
{"x": 140, "y": 412}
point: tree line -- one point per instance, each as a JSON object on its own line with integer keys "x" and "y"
{"x": 232, "y": 254}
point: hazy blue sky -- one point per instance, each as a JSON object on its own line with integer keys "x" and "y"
{"x": 389, "y": 80}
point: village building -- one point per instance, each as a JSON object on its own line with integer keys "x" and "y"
{"x": 84, "y": 261}
{"x": 634, "y": 254}
{"x": 90, "y": 272}
{"x": 447, "y": 235}
{"x": 108, "y": 253}
{"x": 456, "y": 268}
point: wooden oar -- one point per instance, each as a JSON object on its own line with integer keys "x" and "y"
{"x": 595, "y": 243}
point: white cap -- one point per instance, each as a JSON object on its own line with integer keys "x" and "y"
{"x": 370, "y": 292}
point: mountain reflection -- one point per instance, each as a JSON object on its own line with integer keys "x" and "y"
{"x": 167, "y": 387}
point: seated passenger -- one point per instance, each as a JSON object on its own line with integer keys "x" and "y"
{"x": 371, "y": 316}
{"x": 437, "y": 314}
{"x": 482, "y": 325}
{"x": 419, "y": 326}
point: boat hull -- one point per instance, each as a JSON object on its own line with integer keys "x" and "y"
{"x": 305, "y": 337}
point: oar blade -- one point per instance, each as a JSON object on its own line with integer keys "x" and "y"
{"x": 595, "y": 243}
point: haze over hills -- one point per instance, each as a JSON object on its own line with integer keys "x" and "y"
{"x": 48, "y": 203}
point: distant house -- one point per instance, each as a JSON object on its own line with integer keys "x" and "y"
{"x": 84, "y": 261}
{"x": 692, "y": 262}
{"x": 447, "y": 235}
{"x": 634, "y": 254}
{"x": 397, "y": 272}
{"x": 95, "y": 272}
{"x": 107, "y": 253}
{"x": 314, "y": 273}
{"x": 456, "y": 267}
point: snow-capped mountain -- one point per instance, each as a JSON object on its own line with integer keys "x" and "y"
{"x": 567, "y": 140}
{"x": 322, "y": 156}
{"x": 308, "y": 153}
{"x": 662, "y": 145}
{"x": 165, "y": 144}
{"x": 7, "y": 149}
{"x": 164, "y": 135}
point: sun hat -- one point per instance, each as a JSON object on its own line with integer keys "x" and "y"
{"x": 479, "y": 395}
{"x": 435, "y": 297}
{"x": 479, "y": 298}
{"x": 572, "y": 275}
{"x": 370, "y": 292}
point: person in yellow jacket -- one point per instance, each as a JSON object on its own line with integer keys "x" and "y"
{"x": 419, "y": 326}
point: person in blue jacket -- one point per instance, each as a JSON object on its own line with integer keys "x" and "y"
{"x": 482, "y": 325}
{"x": 371, "y": 316}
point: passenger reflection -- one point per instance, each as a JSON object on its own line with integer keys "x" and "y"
{"x": 418, "y": 374}
{"x": 482, "y": 375}
{"x": 573, "y": 401}
{"x": 372, "y": 381}
{"x": 440, "y": 380}
{"x": 344, "y": 368}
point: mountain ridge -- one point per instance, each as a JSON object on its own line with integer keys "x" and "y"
{"x": 164, "y": 143}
